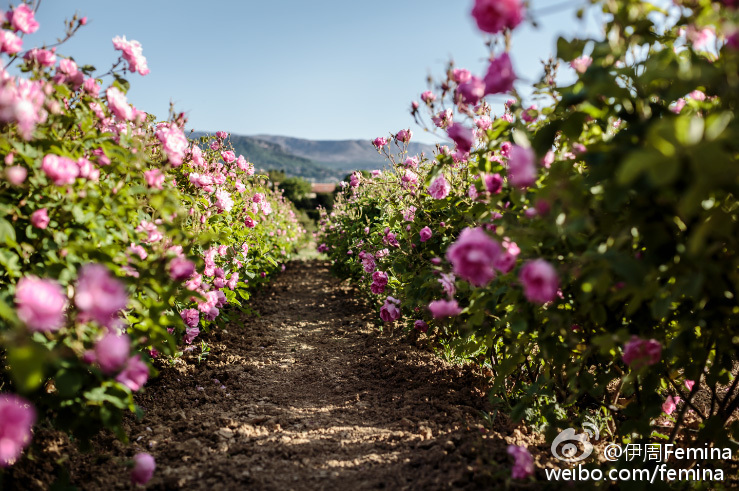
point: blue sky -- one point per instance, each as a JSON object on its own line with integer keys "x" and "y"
{"x": 327, "y": 69}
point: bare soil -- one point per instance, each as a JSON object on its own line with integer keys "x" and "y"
{"x": 308, "y": 395}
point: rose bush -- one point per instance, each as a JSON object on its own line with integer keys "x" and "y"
{"x": 586, "y": 250}
{"x": 120, "y": 239}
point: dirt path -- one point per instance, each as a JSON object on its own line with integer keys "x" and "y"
{"x": 307, "y": 396}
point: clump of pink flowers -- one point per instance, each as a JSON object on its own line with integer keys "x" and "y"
{"x": 640, "y": 353}
{"x": 473, "y": 256}
{"x": 523, "y": 462}
{"x": 17, "y": 417}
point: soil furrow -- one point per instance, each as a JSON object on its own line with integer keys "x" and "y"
{"x": 307, "y": 395}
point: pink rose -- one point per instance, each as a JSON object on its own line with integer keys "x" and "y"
{"x": 639, "y": 353}
{"x": 92, "y": 87}
{"x": 670, "y": 404}
{"x": 132, "y": 53}
{"x": 522, "y": 167}
{"x": 425, "y": 234}
{"x": 390, "y": 312}
{"x": 143, "y": 468}
{"x": 461, "y": 75}
{"x": 689, "y": 384}
{"x": 180, "y": 268}
{"x": 494, "y": 16}
{"x": 507, "y": 259}
{"x": 444, "y": 308}
{"x": 228, "y": 156}
{"x": 581, "y": 64}
{"x": 10, "y": 43}
{"x": 154, "y": 178}
{"x": 17, "y": 417}
{"x": 99, "y": 295}
{"x": 174, "y": 143}
{"x": 60, "y": 170}
{"x": 118, "y": 104}
{"x": 111, "y": 352}
{"x": 439, "y": 189}
{"x": 472, "y": 91}
{"x": 379, "y": 142}
{"x": 420, "y": 325}
{"x": 41, "y": 56}
{"x": 523, "y": 462}
{"x": 463, "y": 136}
{"x": 16, "y": 175}
{"x": 40, "y": 218}
{"x": 22, "y": 19}
{"x": 40, "y": 304}
{"x": 135, "y": 374}
{"x": 500, "y": 76}
{"x": 540, "y": 281}
{"x": 472, "y": 256}
{"x": 404, "y": 136}
{"x": 192, "y": 331}
{"x": 493, "y": 183}
{"x": 428, "y": 97}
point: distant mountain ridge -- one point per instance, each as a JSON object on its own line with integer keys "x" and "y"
{"x": 315, "y": 160}
{"x": 345, "y": 155}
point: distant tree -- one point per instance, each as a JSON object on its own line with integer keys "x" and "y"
{"x": 294, "y": 188}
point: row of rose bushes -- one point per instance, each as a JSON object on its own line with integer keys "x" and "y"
{"x": 120, "y": 239}
{"x": 585, "y": 250}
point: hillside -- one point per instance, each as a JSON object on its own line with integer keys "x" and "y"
{"x": 315, "y": 160}
{"x": 342, "y": 155}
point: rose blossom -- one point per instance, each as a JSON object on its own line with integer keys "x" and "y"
{"x": 472, "y": 256}
{"x": 540, "y": 281}
{"x": 192, "y": 331}
{"x": 444, "y": 308}
{"x": 40, "y": 218}
{"x": 390, "y": 312}
{"x": 428, "y": 97}
{"x": 439, "y": 189}
{"x": 40, "y": 304}
{"x": 154, "y": 178}
{"x": 22, "y": 19}
{"x": 581, "y": 64}
{"x": 174, "y": 143}
{"x": 500, "y": 76}
{"x": 135, "y": 374}
{"x": 522, "y": 167}
{"x": 132, "y": 53}
{"x": 379, "y": 142}
{"x": 493, "y": 183}
{"x": 404, "y": 136}
{"x": 472, "y": 91}
{"x": 420, "y": 325}
{"x": 507, "y": 259}
{"x": 99, "y": 294}
{"x": 61, "y": 170}
{"x": 16, "y": 175}
{"x": 493, "y": 16}
{"x": 670, "y": 404}
{"x": 181, "y": 269}
{"x": 639, "y": 353}
{"x": 118, "y": 104}
{"x": 17, "y": 417}
{"x": 463, "y": 136}
{"x": 461, "y": 75}
{"x": 425, "y": 234}
{"x": 523, "y": 462}
{"x": 111, "y": 352}
{"x": 143, "y": 468}
{"x": 228, "y": 156}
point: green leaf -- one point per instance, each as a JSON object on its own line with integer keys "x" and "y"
{"x": 27, "y": 367}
